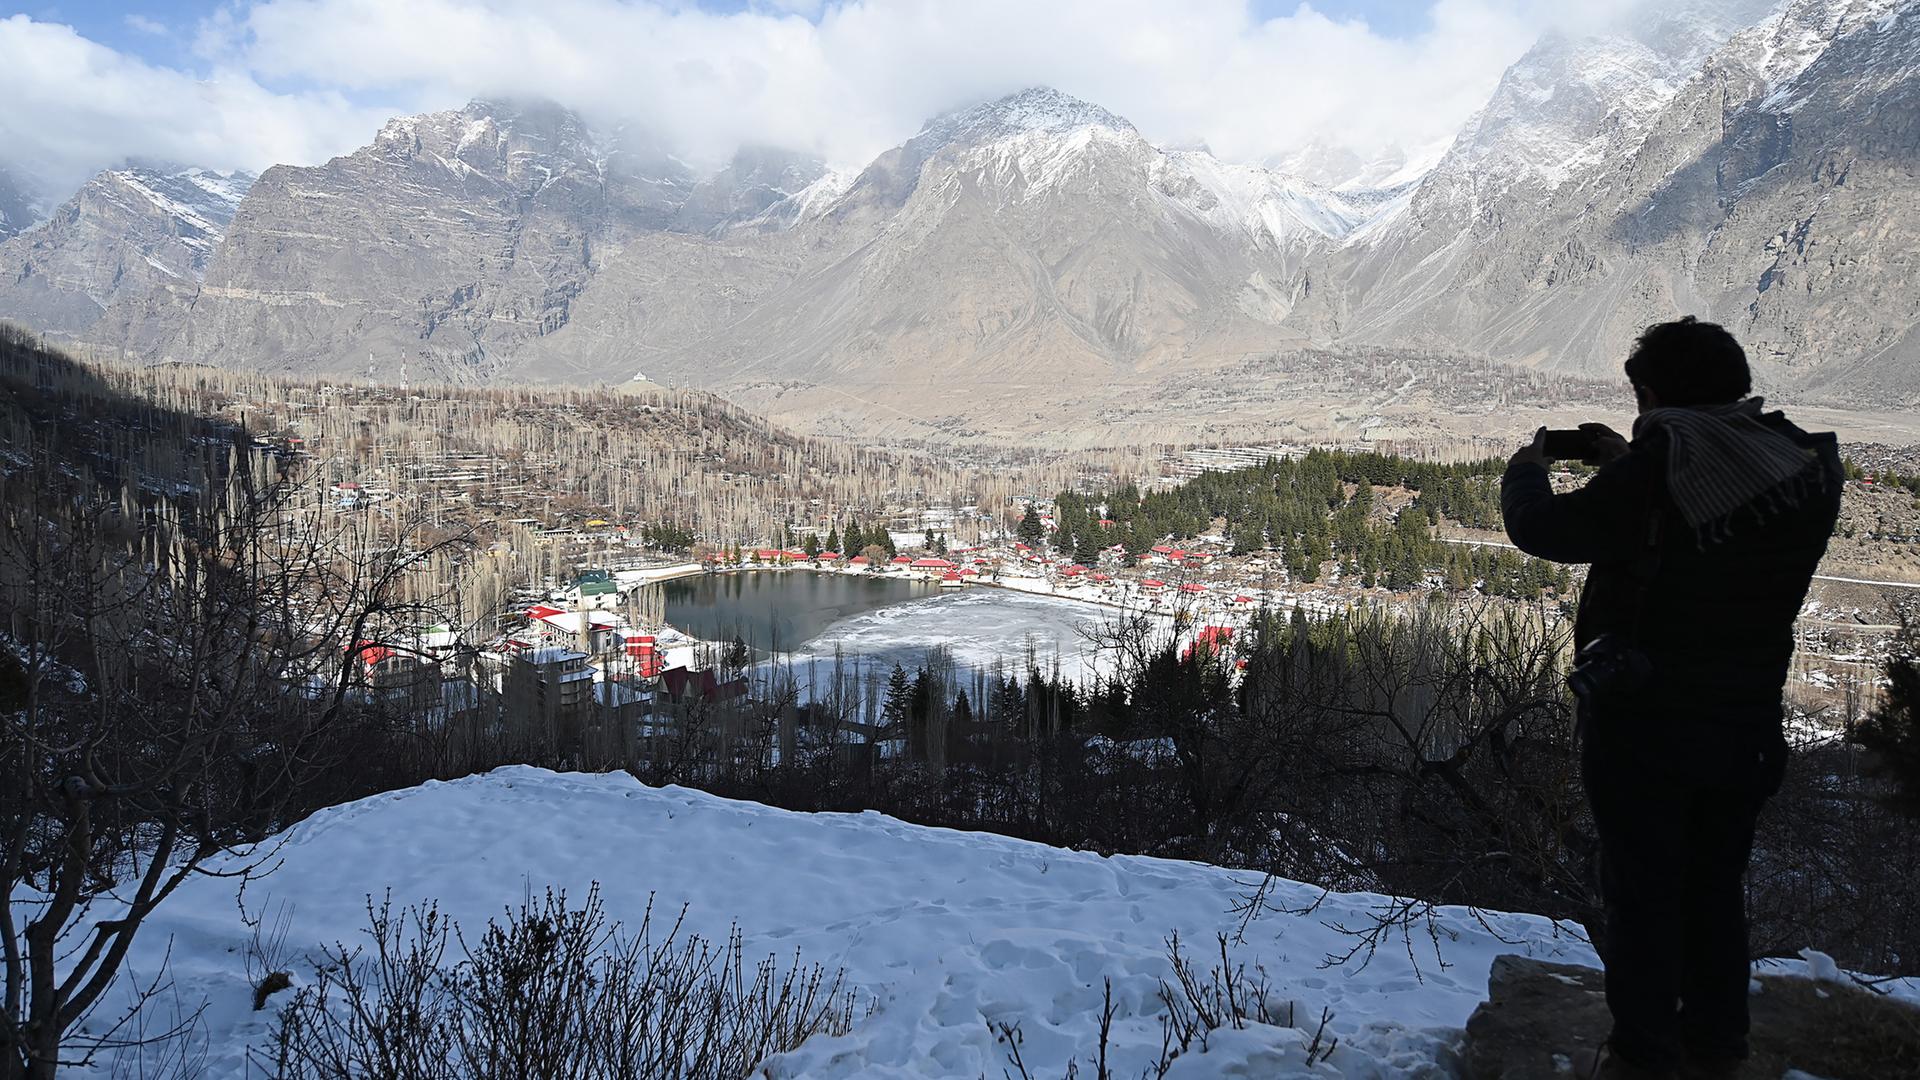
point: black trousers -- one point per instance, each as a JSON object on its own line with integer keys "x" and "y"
{"x": 1676, "y": 832}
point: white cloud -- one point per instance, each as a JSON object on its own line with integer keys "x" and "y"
{"x": 857, "y": 77}
{"x": 75, "y": 106}
{"x": 146, "y": 26}
{"x": 868, "y": 72}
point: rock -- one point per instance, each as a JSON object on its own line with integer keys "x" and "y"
{"x": 1538, "y": 1019}
{"x": 1541, "y": 1018}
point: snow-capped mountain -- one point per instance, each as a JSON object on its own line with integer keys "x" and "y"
{"x": 1569, "y": 102}
{"x": 1033, "y": 226}
{"x": 802, "y": 205}
{"x": 1620, "y": 179}
{"x": 1035, "y": 256}
{"x": 513, "y": 238}
{"x": 750, "y": 187}
{"x": 1271, "y": 208}
{"x": 1038, "y": 139}
{"x": 107, "y": 259}
{"x": 1341, "y": 169}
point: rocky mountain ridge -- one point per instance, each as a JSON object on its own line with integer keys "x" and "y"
{"x": 1708, "y": 203}
{"x": 1035, "y": 259}
{"x": 119, "y": 261}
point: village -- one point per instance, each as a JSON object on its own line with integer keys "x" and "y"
{"x": 592, "y": 657}
{"x": 555, "y": 516}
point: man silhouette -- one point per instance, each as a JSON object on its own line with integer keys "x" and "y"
{"x": 1703, "y": 534}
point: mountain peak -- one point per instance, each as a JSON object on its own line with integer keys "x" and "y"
{"x": 1037, "y": 108}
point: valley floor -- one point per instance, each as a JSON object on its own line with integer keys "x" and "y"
{"x": 944, "y": 933}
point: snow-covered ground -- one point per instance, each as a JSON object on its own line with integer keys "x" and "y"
{"x": 944, "y": 932}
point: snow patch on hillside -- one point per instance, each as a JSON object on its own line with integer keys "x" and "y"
{"x": 803, "y": 205}
{"x": 1270, "y": 207}
{"x": 945, "y": 932}
{"x": 197, "y": 203}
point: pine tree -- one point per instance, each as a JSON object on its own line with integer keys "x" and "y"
{"x": 899, "y": 700}
{"x": 1086, "y": 550}
{"x": 833, "y": 540}
{"x": 1032, "y": 530}
{"x": 811, "y": 545}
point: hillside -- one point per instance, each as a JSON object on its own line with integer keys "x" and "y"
{"x": 942, "y": 932}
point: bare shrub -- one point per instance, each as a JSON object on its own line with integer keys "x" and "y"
{"x": 1193, "y": 1006}
{"x": 551, "y": 991}
{"x": 267, "y": 953}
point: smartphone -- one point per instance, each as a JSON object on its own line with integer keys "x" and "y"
{"x": 1570, "y": 444}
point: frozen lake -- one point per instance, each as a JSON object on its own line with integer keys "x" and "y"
{"x": 779, "y": 611}
{"x": 978, "y": 627}
{"x": 815, "y": 617}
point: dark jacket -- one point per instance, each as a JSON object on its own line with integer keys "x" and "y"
{"x": 1717, "y": 618}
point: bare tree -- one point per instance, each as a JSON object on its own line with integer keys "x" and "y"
{"x": 184, "y": 655}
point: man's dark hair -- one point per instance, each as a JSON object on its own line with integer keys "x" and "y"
{"x": 1689, "y": 362}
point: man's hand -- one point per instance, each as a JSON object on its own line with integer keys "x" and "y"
{"x": 1608, "y": 444}
{"x": 1534, "y": 453}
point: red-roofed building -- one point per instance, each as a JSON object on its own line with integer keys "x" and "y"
{"x": 648, "y": 660}
{"x": 682, "y": 684}
{"x": 1153, "y": 583}
{"x": 1209, "y": 641}
{"x": 1193, "y": 587}
{"x": 930, "y": 563}
{"x": 373, "y": 655}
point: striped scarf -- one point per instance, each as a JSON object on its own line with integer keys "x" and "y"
{"x": 1722, "y": 458}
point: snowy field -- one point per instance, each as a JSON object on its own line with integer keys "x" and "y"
{"x": 944, "y": 932}
{"x": 947, "y": 931}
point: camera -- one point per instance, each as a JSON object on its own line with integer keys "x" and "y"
{"x": 1606, "y": 666}
{"x": 1574, "y": 444}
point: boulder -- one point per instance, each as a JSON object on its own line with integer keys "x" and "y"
{"x": 1540, "y": 1019}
